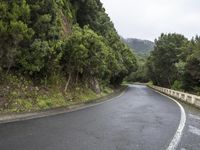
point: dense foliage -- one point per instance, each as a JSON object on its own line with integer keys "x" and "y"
{"x": 75, "y": 39}
{"x": 191, "y": 72}
{"x": 175, "y": 63}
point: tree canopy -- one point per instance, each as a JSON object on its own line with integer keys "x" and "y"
{"x": 72, "y": 38}
{"x": 175, "y": 62}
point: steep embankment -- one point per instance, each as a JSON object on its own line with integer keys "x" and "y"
{"x": 54, "y": 52}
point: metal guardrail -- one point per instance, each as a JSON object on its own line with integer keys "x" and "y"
{"x": 186, "y": 97}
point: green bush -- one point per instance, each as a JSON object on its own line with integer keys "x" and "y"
{"x": 197, "y": 90}
{"x": 178, "y": 85}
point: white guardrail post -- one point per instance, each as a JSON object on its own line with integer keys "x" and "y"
{"x": 186, "y": 97}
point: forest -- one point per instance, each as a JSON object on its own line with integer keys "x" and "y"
{"x": 52, "y": 49}
{"x": 174, "y": 63}
{"x": 59, "y": 52}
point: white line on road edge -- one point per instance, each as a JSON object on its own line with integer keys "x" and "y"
{"x": 177, "y": 136}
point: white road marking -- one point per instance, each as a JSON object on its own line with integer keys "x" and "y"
{"x": 194, "y": 130}
{"x": 183, "y": 149}
{"x": 194, "y": 117}
{"x": 177, "y": 136}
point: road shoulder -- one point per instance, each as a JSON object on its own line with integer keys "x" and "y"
{"x": 179, "y": 133}
{"x": 14, "y": 117}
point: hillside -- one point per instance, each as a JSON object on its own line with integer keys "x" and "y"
{"x": 142, "y": 49}
{"x": 140, "y": 46}
{"x": 65, "y": 45}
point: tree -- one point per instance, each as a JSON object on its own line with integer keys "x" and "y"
{"x": 162, "y": 61}
{"x": 33, "y": 60}
{"x": 191, "y": 77}
{"x": 39, "y": 39}
{"x": 92, "y": 13}
{"x": 85, "y": 53}
{"x": 13, "y": 30}
{"x": 74, "y": 54}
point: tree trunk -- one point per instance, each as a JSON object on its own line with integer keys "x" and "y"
{"x": 169, "y": 82}
{"x": 76, "y": 82}
{"x": 68, "y": 81}
{"x": 94, "y": 85}
{"x": 45, "y": 82}
{"x": 8, "y": 69}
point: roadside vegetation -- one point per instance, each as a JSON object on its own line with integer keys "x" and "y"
{"x": 55, "y": 53}
{"x": 174, "y": 63}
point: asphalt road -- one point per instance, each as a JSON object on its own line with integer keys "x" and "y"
{"x": 140, "y": 119}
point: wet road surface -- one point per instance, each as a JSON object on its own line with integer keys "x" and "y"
{"x": 140, "y": 119}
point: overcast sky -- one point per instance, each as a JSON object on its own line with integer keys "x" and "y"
{"x": 147, "y": 19}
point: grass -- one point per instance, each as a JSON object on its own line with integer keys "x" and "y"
{"x": 22, "y": 96}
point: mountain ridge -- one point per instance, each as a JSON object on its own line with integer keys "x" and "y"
{"x": 139, "y": 46}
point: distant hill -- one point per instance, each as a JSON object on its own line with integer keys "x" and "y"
{"x": 141, "y": 47}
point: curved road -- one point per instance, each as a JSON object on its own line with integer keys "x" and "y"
{"x": 140, "y": 119}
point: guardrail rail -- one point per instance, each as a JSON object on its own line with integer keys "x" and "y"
{"x": 186, "y": 97}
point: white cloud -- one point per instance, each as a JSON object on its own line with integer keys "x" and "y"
{"x": 147, "y": 19}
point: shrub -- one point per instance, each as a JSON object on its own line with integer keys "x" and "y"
{"x": 178, "y": 85}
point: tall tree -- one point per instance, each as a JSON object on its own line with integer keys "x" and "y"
{"x": 162, "y": 62}
{"x": 191, "y": 77}
{"x": 13, "y": 30}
